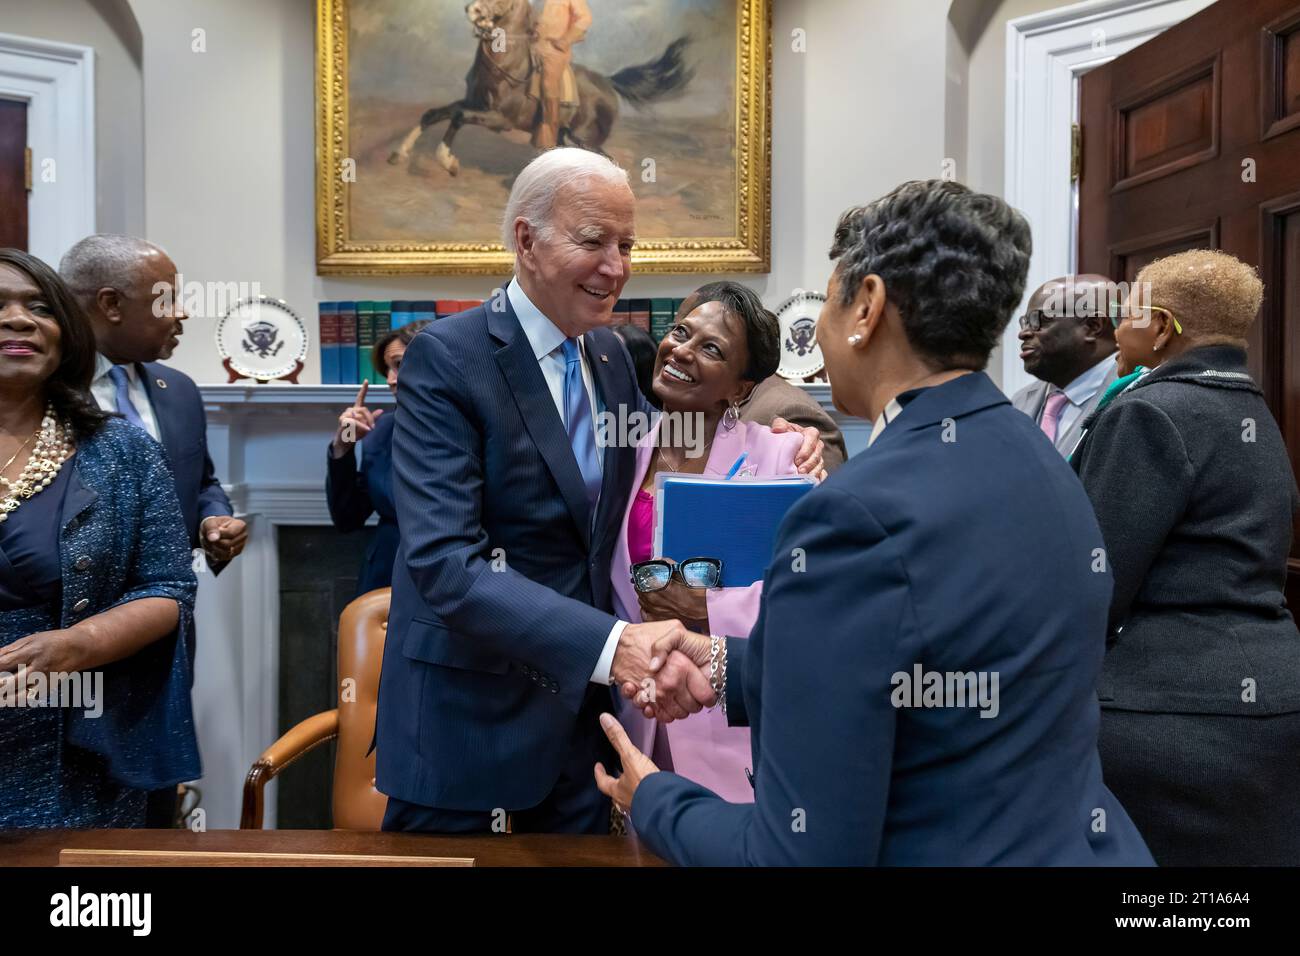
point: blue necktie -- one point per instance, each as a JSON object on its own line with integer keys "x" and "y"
{"x": 578, "y": 422}
{"x": 123, "y": 394}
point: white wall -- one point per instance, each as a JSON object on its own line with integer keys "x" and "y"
{"x": 230, "y": 139}
{"x": 108, "y": 27}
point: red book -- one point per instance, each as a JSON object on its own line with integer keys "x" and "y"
{"x": 467, "y": 304}
{"x": 446, "y": 307}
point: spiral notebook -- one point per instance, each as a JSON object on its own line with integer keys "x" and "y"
{"x": 735, "y": 520}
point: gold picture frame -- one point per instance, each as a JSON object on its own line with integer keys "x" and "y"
{"x": 745, "y": 248}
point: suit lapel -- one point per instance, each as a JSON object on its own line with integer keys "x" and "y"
{"x": 166, "y": 431}
{"x": 537, "y": 408}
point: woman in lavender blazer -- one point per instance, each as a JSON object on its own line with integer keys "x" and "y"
{"x": 705, "y": 368}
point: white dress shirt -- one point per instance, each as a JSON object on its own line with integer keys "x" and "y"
{"x": 547, "y": 341}
{"x": 1080, "y": 392}
{"x": 105, "y": 394}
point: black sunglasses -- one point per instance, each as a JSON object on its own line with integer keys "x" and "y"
{"x": 693, "y": 572}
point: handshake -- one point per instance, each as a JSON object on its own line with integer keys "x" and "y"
{"x": 665, "y": 668}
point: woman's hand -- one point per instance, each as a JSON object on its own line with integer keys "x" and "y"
{"x": 636, "y": 766}
{"x": 354, "y": 424}
{"x": 46, "y": 652}
{"x": 808, "y": 459}
{"x": 675, "y": 602}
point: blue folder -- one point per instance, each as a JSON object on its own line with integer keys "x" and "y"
{"x": 733, "y": 520}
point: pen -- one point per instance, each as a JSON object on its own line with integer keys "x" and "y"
{"x": 736, "y": 467}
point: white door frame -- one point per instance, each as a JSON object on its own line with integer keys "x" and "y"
{"x": 57, "y": 82}
{"x": 1047, "y": 53}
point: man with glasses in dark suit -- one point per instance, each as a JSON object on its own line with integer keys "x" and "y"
{"x": 1067, "y": 342}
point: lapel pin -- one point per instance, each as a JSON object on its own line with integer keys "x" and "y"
{"x": 604, "y": 358}
{"x": 160, "y": 383}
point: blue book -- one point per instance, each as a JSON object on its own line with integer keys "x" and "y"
{"x": 347, "y": 350}
{"x": 736, "y": 520}
{"x": 423, "y": 310}
{"x": 401, "y": 313}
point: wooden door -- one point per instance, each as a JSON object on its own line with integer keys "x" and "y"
{"x": 13, "y": 174}
{"x": 1192, "y": 140}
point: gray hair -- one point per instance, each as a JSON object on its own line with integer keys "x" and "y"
{"x": 532, "y": 197}
{"x": 104, "y": 261}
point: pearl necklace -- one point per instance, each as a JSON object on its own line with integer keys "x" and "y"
{"x": 52, "y": 449}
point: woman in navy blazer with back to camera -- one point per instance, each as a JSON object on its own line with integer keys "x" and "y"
{"x": 96, "y": 586}
{"x": 920, "y": 683}
{"x": 356, "y": 492}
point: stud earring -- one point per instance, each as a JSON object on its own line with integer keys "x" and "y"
{"x": 854, "y": 339}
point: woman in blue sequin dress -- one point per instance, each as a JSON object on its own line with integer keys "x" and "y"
{"x": 96, "y": 586}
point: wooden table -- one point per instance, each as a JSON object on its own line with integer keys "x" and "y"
{"x": 42, "y": 847}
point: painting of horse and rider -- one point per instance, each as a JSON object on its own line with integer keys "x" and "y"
{"x": 428, "y": 109}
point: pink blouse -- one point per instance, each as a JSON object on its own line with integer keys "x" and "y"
{"x": 641, "y": 527}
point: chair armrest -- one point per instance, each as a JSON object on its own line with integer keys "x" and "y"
{"x": 302, "y": 738}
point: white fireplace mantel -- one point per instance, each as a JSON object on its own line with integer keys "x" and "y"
{"x": 268, "y": 444}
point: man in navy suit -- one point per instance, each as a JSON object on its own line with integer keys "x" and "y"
{"x": 501, "y": 643}
{"x": 921, "y": 680}
{"x": 126, "y": 286}
{"x": 117, "y": 281}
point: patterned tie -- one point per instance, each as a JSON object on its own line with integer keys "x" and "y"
{"x": 124, "y": 405}
{"x": 578, "y": 422}
{"x": 1052, "y": 414}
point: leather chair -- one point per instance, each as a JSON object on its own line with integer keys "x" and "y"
{"x": 357, "y": 804}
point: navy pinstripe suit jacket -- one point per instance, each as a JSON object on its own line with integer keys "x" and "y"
{"x": 501, "y": 596}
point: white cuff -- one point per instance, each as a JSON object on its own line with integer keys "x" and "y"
{"x": 605, "y": 662}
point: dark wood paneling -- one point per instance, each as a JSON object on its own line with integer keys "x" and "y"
{"x": 1248, "y": 184}
{"x": 1280, "y": 77}
{"x": 1129, "y": 258}
{"x": 13, "y": 178}
{"x": 1169, "y": 126}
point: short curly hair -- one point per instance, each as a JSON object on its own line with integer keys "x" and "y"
{"x": 954, "y": 263}
{"x": 762, "y": 331}
{"x": 1214, "y": 295}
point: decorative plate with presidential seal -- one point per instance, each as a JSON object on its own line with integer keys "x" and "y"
{"x": 263, "y": 339}
{"x": 797, "y": 318}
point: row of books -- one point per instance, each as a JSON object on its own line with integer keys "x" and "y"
{"x": 349, "y": 330}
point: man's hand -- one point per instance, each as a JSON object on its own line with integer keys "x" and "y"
{"x": 633, "y": 666}
{"x": 678, "y": 664}
{"x": 808, "y": 459}
{"x": 223, "y": 537}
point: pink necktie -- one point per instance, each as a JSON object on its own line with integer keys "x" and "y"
{"x": 1052, "y": 414}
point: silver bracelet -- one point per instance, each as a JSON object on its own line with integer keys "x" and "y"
{"x": 718, "y": 669}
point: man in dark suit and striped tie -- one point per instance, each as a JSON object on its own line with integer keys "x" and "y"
{"x": 501, "y": 643}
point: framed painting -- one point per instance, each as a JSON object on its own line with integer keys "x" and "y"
{"x": 428, "y": 109}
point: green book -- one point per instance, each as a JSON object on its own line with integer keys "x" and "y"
{"x": 661, "y": 318}
{"x": 383, "y": 325}
{"x": 365, "y": 341}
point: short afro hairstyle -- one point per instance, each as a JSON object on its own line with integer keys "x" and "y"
{"x": 1214, "y": 296}
{"x": 954, "y": 263}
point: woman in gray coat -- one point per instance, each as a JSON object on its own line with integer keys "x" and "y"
{"x": 1194, "y": 492}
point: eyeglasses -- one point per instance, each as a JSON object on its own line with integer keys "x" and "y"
{"x": 1037, "y": 319}
{"x": 1117, "y": 318}
{"x": 693, "y": 572}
